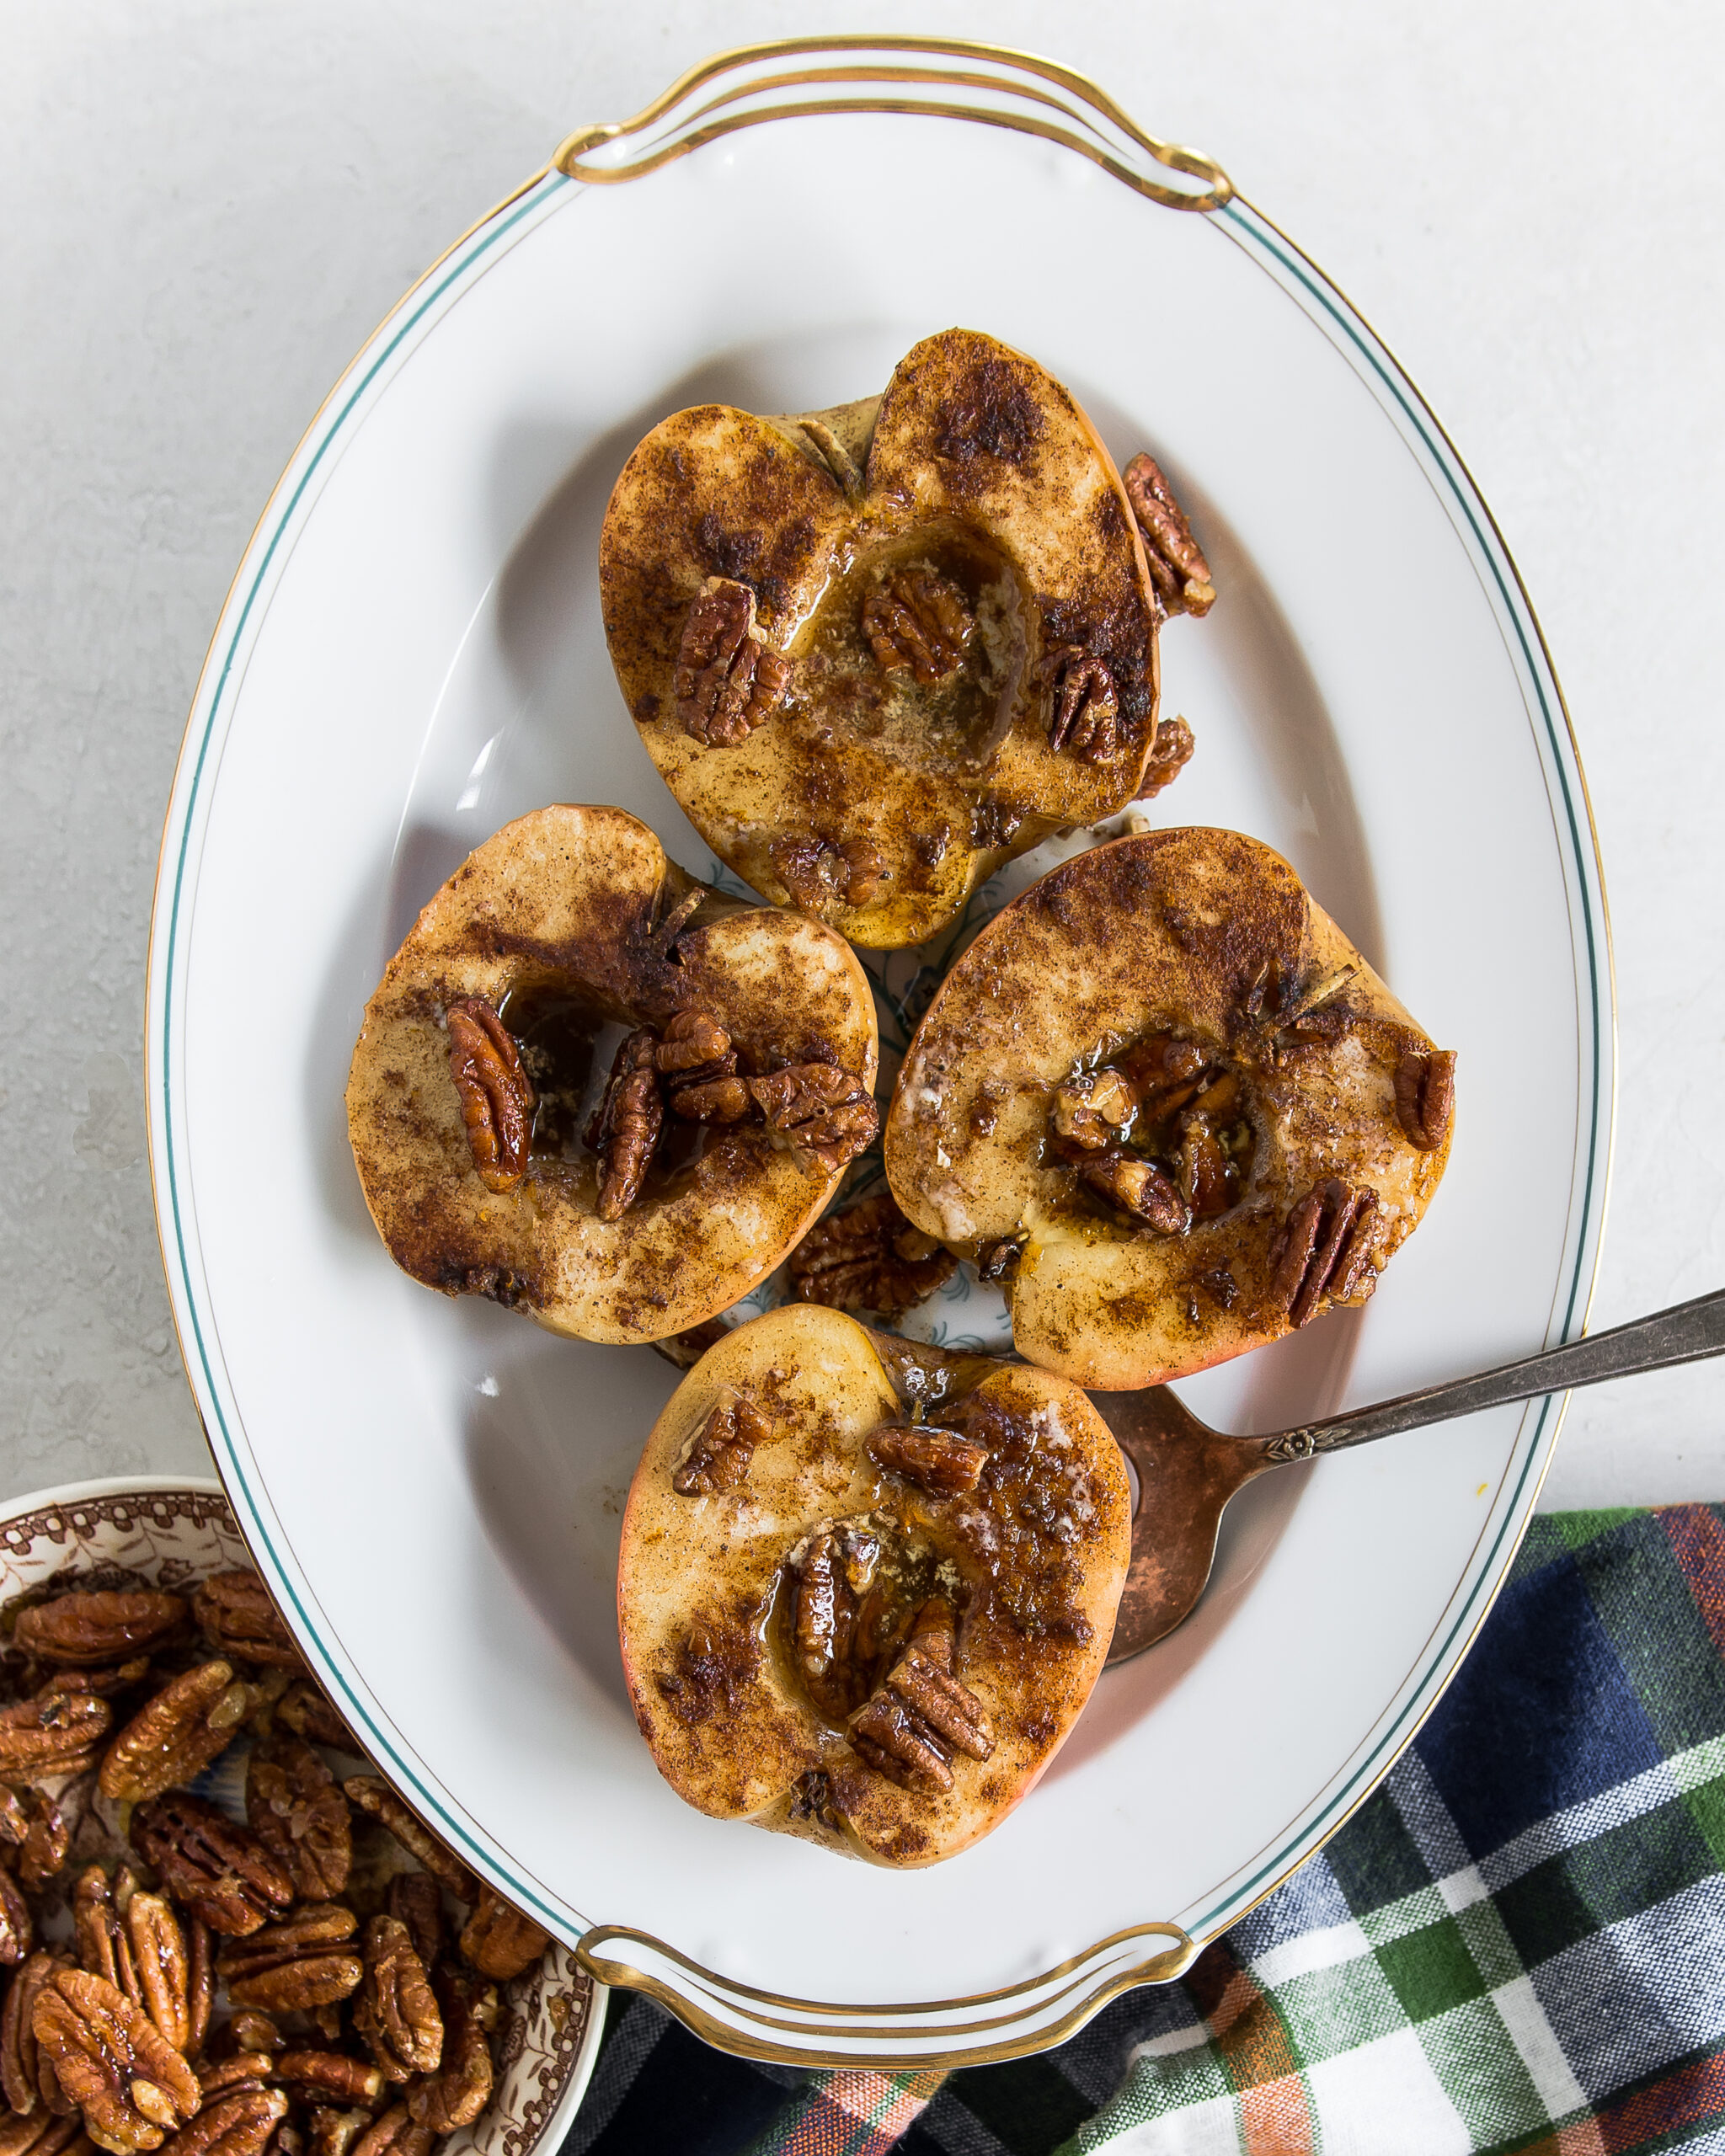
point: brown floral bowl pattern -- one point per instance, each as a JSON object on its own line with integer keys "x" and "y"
{"x": 173, "y": 1532}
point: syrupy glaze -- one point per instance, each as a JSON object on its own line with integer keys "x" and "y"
{"x": 960, "y": 719}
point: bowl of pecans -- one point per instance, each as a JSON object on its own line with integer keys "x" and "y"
{"x": 221, "y": 1934}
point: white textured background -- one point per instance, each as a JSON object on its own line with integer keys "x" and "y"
{"x": 207, "y": 205}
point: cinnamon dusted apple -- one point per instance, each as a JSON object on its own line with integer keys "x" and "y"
{"x": 1166, "y": 1102}
{"x": 877, "y": 651}
{"x": 593, "y": 1090}
{"x": 866, "y": 1589}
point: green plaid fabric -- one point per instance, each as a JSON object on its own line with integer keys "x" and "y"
{"x": 1517, "y": 1945}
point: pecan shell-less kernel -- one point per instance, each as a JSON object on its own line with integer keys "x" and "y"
{"x": 728, "y": 678}
{"x": 236, "y": 1615}
{"x": 163, "y": 1965}
{"x": 199, "y": 1983}
{"x": 868, "y": 1257}
{"x": 1141, "y": 1188}
{"x": 86, "y": 1630}
{"x": 397, "y": 2013}
{"x": 17, "y": 1930}
{"x": 131, "y": 2085}
{"x": 939, "y": 1461}
{"x": 720, "y": 1450}
{"x": 303, "y": 1709}
{"x": 722, "y": 1100}
{"x": 40, "y": 2134}
{"x": 103, "y": 1945}
{"x": 243, "y": 2070}
{"x": 909, "y": 1729}
{"x": 295, "y": 1809}
{"x": 1177, "y": 567}
{"x": 30, "y": 2086}
{"x": 324, "y": 2077}
{"x": 625, "y": 1132}
{"x": 918, "y": 620}
{"x": 415, "y": 1900}
{"x": 373, "y": 1797}
{"x": 1327, "y": 1249}
{"x": 189, "y": 1723}
{"x": 219, "y": 1873}
{"x": 823, "y": 1111}
{"x": 395, "y": 2133}
{"x": 499, "y": 1940}
{"x": 821, "y": 873}
{"x": 1083, "y": 706}
{"x": 694, "y": 1045}
{"x": 1425, "y": 1096}
{"x": 1168, "y": 758}
{"x": 237, "y": 2124}
{"x": 334, "y": 2132}
{"x": 309, "y": 1960}
{"x": 496, "y": 1096}
{"x": 54, "y": 1733}
{"x": 461, "y": 2088}
{"x": 1090, "y": 1113}
{"x": 47, "y": 1838}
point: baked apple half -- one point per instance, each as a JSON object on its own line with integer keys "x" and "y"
{"x": 1164, "y": 1100}
{"x": 865, "y": 1588}
{"x": 597, "y": 1091}
{"x": 877, "y": 651}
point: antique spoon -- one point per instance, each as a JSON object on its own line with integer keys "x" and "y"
{"x": 1187, "y": 1472}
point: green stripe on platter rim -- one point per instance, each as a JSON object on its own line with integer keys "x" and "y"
{"x": 1325, "y": 305}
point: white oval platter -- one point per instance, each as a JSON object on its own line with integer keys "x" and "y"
{"x": 411, "y": 654}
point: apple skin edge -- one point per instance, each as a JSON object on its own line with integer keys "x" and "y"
{"x": 731, "y": 1728}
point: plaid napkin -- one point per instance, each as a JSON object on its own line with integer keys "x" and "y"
{"x": 1517, "y": 1945}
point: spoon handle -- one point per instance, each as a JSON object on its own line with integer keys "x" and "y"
{"x": 1688, "y": 1333}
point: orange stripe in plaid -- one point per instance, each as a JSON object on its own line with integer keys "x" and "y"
{"x": 1252, "y": 2042}
{"x": 1698, "y": 1542}
{"x": 1692, "y": 2094}
{"x": 1584, "y": 2138}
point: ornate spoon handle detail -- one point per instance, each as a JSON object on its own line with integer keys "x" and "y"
{"x": 1688, "y": 1333}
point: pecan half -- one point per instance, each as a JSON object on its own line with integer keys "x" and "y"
{"x": 1141, "y": 1188}
{"x": 1176, "y": 565}
{"x": 868, "y": 1257}
{"x": 1091, "y": 1111}
{"x": 461, "y": 2088}
{"x": 104, "y": 1947}
{"x": 823, "y": 1111}
{"x": 394, "y": 2133}
{"x": 499, "y": 1940}
{"x": 54, "y": 1733}
{"x": 1325, "y": 1250}
{"x": 1168, "y": 757}
{"x": 308, "y": 1961}
{"x": 161, "y": 1966}
{"x": 917, "y": 620}
{"x": 330, "y": 2077}
{"x": 17, "y": 1930}
{"x": 714, "y": 1100}
{"x": 40, "y": 2134}
{"x": 235, "y": 1613}
{"x": 396, "y": 2012}
{"x": 1082, "y": 705}
{"x": 496, "y": 1095}
{"x": 296, "y": 1812}
{"x": 938, "y": 1461}
{"x": 247, "y": 2068}
{"x": 85, "y": 1630}
{"x": 368, "y": 1794}
{"x": 189, "y": 1723}
{"x": 46, "y": 1838}
{"x": 28, "y": 2078}
{"x": 240, "y": 2124}
{"x": 719, "y": 1452}
{"x": 698, "y": 1066}
{"x": 220, "y": 1873}
{"x": 625, "y": 1132}
{"x": 133, "y": 2087}
{"x": 728, "y": 678}
{"x": 199, "y": 1983}
{"x": 909, "y": 1729}
{"x": 334, "y": 2132}
{"x": 304, "y": 1709}
{"x": 1167, "y": 1070}
{"x": 823, "y": 873}
{"x": 1425, "y": 1096}
{"x": 416, "y": 1901}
